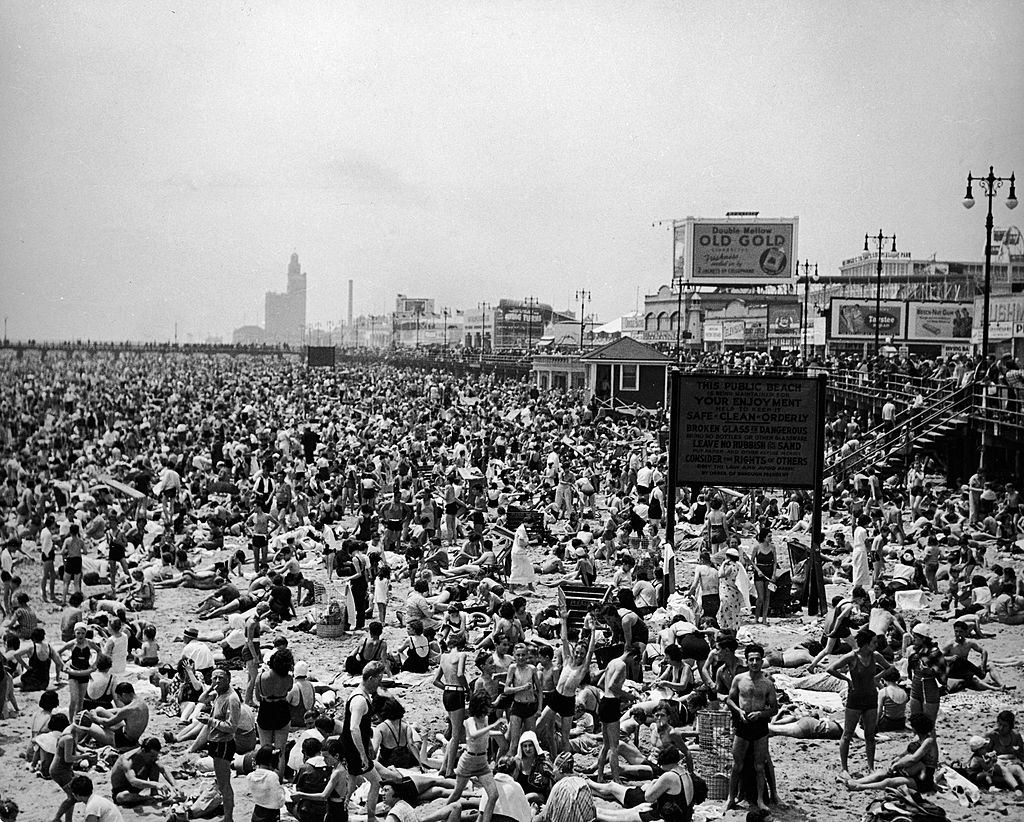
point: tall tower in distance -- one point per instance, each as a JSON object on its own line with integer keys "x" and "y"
{"x": 286, "y": 313}
{"x": 351, "y": 335}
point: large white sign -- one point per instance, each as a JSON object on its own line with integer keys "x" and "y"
{"x": 747, "y": 251}
{"x": 939, "y": 321}
{"x": 713, "y": 331}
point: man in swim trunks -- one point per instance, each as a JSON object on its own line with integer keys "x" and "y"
{"x": 122, "y": 727}
{"x": 561, "y": 702}
{"x": 223, "y": 724}
{"x": 451, "y": 677}
{"x": 609, "y": 709}
{"x": 753, "y": 702}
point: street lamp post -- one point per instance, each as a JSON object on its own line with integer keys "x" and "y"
{"x": 584, "y": 297}
{"x": 419, "y": 310}
{"x": 989, "y": 184}
{"x": 879, "y": 240}
{"x": 445, "y": 312}
{"x": 483, "y": 326}
{"x": 804, "y": 347}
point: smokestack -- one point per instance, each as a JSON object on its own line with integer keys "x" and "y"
{"x": 349, "y": 306}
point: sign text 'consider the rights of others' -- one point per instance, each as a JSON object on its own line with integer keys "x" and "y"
{"x": 747, "y": 431}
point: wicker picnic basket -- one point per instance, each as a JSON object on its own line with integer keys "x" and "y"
{"x": 331, "y": 624}
{"x": 328, "y": 630}
{"x": 714, "y": 759}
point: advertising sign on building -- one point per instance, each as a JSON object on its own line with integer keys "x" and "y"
{"x": 747, "y": 251}
{"x": 748, "y": 431}
{"x": 956, "y": 349}
{"x": 754, "y": 332}
{"x": 1002, "y": 308}
{"x": 733, "y": 330}
{"x": 938, "y": 321}
{"x": 855, "y": 319}
{"x": 783, "y": 319}
{"x": 713, "y": 331}
{"x": 1001, "y": 330}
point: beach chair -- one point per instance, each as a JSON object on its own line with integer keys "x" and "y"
{"x": 502, "y": 554}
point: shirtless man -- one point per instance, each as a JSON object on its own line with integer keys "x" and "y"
{"x": 451, "y": 677}
{"x": 523, "y": 685}
{"x": 609, "y": 709}
{"x": 561, "y": 702}
{"x": 122, "y": 727}
{"x": 753, "y": 701}
{"x": 960, "y": 667}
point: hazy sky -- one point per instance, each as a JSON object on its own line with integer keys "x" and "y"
{"x": 159, "y": 162}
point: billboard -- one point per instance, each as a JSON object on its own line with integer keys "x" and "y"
{"x": 939, "y": 321}
{"x": 747, "y": 251}
{"x": 855, "y": 319}
{"x": 749, "y": 432}
{"x": 733, "y": 330}
{"x": 783, "y": 319}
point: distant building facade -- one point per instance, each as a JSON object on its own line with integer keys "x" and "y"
{"x": 286, "y": 312}
{"x": 248, "y": 335}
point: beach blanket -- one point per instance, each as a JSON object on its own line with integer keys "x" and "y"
{"x": 911, "y": 600}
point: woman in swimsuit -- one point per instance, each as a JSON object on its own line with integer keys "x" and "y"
{"x": 916, "y": 768}
{"x": 418, "y": 646}
{"x": 251, "y": 654}
{"x": 393, "y": 738}
{"x": 38, "y": 657}
{"x": 272, "y": 688}
{"x": 675, "y": 785}
{"x": 301, "y": 698}
{"x": 66, "y": 756}
{"x": 81, "y": 666}
{"x": 473, "y": 763}
{"x": 99, "y": 692}
{"x": 861, "y": 669}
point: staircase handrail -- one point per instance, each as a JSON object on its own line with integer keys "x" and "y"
{"x": 963, "y": 396}
{"x": 937, "y": 396}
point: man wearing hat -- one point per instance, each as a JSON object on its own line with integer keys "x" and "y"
{"x": 199, "y": 654}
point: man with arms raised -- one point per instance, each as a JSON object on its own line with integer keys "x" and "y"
{"x": 560, "y": 704}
